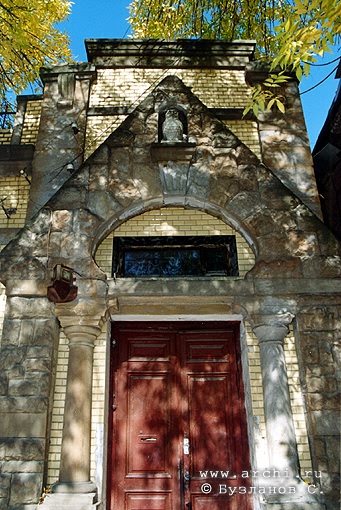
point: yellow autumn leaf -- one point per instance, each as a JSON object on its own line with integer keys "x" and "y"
{"x": 288, "y": 33}
{"x": 30, "y": 39}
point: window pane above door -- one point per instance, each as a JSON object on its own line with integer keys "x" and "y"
{"x": 174, "y": 256}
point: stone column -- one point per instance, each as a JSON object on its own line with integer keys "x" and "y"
{"x": 284, "y": 488}
{"x": 74, "y": 477}
{"x": 81, "y": 321}
{"x": 75, "y": 454}
{"x": 280, "y": 431}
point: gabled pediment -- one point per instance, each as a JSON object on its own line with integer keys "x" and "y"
{"x": 137, "y": 158}
{"x": 195, "y": 161}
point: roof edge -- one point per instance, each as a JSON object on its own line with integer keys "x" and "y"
{"x": 151, "y": 52}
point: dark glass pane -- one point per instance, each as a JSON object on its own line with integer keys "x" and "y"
{"x": 175, "y": 256}
{"x": 216, "y": 260}
{"x": 162, "y": 262}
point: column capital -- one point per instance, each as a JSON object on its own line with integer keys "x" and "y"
{"x": 81, "y": 329}
{"x": 272, "y": 328}
{"x": 82, "y": 320}
{"x": 81, "y": 334}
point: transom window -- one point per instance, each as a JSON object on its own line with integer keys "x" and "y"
{"x": 175, "y": 256}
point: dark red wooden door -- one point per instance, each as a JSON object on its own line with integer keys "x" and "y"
{"x": 178, "y": 436}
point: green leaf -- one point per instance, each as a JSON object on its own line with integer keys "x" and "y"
{"x": 306, "y": 69}
{"x": 299, "y": 73}
{"x": 280, "y": 105}
{"x": 255, "y": 109}
{"x": 271, "y": 103}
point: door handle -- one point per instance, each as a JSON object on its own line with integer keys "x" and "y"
{"x": 184, "y": 479}
{"x": 182, "y": 485}
{"x": 186, "y": 446}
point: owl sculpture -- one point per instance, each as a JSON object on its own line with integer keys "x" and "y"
{"x": 172, "y": 128}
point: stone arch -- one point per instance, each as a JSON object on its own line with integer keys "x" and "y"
{"x": 190, "y": 203}
{"x": 176, "y": 222}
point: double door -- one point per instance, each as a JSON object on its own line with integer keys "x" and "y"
{"x": 178, "y": 436}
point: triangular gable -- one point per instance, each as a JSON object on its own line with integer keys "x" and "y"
{"x": 135, "y": 169}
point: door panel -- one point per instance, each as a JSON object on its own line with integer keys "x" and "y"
{"x": 201, "y": 502}
{"x": 209, "y": 422}
{"x": 148, "y": 432}
{"x": 142, "y": 501}
{"x": 177, "y": 411}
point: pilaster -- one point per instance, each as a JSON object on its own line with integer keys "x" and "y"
{"x": 27, "y": 364}
{"x": 60, "y": 143}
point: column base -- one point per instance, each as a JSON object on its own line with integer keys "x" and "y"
{"x": 74, "y": 488}
{"x": 293, "y": 505}
{"x": 69, "y": 502}
{"x": 293, "y": 495}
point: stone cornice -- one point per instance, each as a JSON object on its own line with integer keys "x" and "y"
{"x": 181, "y": 53}
{"x": 226, "y": 286}
{"x": 81, "y": 70}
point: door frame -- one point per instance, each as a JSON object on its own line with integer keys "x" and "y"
{"x": 179, "y": 318}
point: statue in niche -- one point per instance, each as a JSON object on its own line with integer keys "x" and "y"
{"x": 172, "y": 127}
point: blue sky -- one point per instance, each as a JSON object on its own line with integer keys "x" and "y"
{"x": 108, "y": 19}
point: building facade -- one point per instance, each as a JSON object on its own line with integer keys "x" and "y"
{"x": 326, "y": 155}
{"x": 170, "y": 294}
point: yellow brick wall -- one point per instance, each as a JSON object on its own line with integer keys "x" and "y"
{"x": 174, "y": 222}
{"x": 247, "y": 132}
{"x": 257, "y": 403}
{"x": 216, "y": 88}
{"x": 98, "y": 129}
{"x": 5, "y": 136}
{"x": 31, "y": 121}
{"x": 58, "y": 411}
{"x": 99, "y": 403}
{"x": 30, "y": 124}
{"x": 15, "y": 191}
